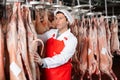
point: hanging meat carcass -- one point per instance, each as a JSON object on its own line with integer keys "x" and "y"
{"x": 108, "y": 37}
{"x": 4, "y": 22}
{"x": 105, "y": 58}
{"x": 83, "y": 55}
{"x": 114, "y": 36}
{"x": 23, "y": 43}
{"x": 32, "y": 46}
{"x": 2, "y": 70}
{"x": 51, "y": 20}
{"x": 92, "y": 62}
{"x": 75, "y": 69}
{"x": 74, "y": 27}
{"x": 95, "y": 40}
{"x": 41, "y": 22}
{"x": 16, "y": 69}
{"x": 30, "y": 37}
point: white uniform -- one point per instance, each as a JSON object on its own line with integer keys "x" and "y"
{"x": 70, "y": 42}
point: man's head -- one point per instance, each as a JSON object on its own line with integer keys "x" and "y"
{"x": 66, "y": 14}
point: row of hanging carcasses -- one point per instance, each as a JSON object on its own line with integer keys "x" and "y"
{"x": 97, "y": 43}
{"x": 18, "y": 34}
{"x": 97, "y": 40}
{"x": 17, "y": 42}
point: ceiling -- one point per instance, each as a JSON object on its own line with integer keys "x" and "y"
{"x": 113, "y": 6}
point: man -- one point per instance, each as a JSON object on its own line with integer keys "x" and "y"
{"x": 60, "y": 47}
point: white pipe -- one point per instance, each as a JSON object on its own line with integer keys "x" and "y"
{"x": 106, "y": 9}
{"x": 78, "y": 2}
{"x": 57, "y": 1}
{"x": 90, "y": 4}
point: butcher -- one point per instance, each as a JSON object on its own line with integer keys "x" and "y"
{"x": 60, "y": 47}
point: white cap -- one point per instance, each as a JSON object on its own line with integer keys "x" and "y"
{"x": 66, "y": 13}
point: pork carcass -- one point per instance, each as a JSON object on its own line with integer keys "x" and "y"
{"x": 30, "y": 37}
{"x": 92, "y": 62}
{"x": 105, "y": 59}
{"x": 16, "y": 70}
{"x": 108, "y": 38}
{"x": 41, "y": 22}
{"x": 32, "y": 47}
{"x": 4, "y": 22}
{"x": 2, "y": 72}
{"x": 75, "y": 61}
{"x": 83, "y": 56}
{"x": 114, "y": 37}
{"x": 22, "y": 41}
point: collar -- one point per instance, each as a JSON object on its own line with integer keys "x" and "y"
{"x": 68, "y": 31}
{"x": 64, "y": 34}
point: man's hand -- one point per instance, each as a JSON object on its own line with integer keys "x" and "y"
{"x": 37, "y": 58}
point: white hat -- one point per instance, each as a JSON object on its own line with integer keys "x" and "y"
{"x": 66, "y": 13}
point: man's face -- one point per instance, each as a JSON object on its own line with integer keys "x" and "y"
{"x": 61, "y": 21}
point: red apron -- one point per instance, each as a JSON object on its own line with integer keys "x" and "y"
{"x": 62, "y": 72}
